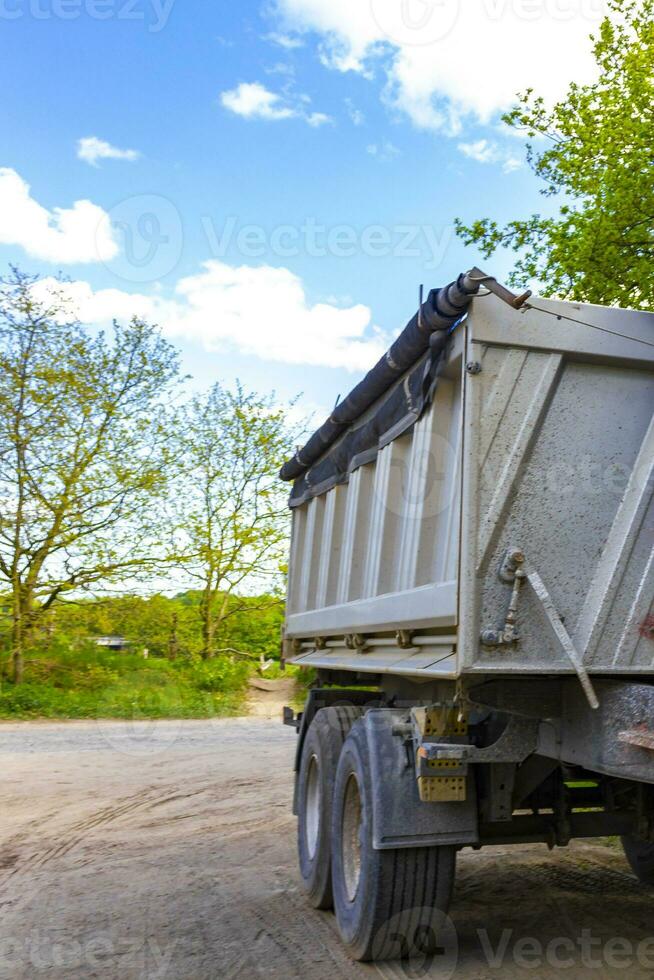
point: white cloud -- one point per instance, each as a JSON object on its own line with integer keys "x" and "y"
{"x": 281, "y": 68}
{"x": 100, "y": 307}
{"x": 81, "y": 233}
{"x": 355, "y": 114}
{"x": 263, "y": 311}
{"x": 252, "y": 100}
{"x": 316, "y": 119}
{"x": 485, "y": 151}
{"x": 446, "y": 60}
{"x": 383, "y": 151}
{"x": 286, "y": 41}
{"x": 91, "y": 149}
{"x": 482, "y": 151}
{"x": 511, "y": 164}
{"x": 260, "y": 311}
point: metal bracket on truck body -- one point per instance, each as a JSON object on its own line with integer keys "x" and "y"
{"x": 400, "y": 818}
{"x": 616, "y": 739}
{"x": 517, "y": 742}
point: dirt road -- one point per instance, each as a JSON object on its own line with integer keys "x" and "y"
{"x": 167, "y": 851}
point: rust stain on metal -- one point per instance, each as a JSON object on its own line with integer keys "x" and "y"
{"x": 647, "y": 628}
{"x": 641, "y": 737}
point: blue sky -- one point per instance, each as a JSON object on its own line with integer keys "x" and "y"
{"x": 269, "y": 181}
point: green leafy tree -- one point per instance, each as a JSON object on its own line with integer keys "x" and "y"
{"x": 230, "y": 508}
{"x": 165, "y": 626}
{"x": 600, "y": 160}
{"x": 83, "y": 452}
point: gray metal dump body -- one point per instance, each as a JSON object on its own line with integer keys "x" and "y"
{"x": 538, "y": 442}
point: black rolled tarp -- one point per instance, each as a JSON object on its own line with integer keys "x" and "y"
{"x": 419, "y": 346}
{"x": 396, "y": 413}
{"x": 442, "y": 308}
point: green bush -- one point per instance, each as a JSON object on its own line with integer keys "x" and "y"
{"x": 68, "y": 676}
{"x": 102, "y": 684}
{"x": 219, "y": 675}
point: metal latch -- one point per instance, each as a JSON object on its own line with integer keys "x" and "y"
{"x": 511, "y": 570}
{"x": 514, "y": 569}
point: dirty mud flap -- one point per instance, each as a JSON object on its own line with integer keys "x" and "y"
{"x": 400, "y": 818}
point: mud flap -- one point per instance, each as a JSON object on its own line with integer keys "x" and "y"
{"x": 400, "y": 818}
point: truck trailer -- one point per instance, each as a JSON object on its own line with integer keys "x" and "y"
{"x": 471, "y": 581}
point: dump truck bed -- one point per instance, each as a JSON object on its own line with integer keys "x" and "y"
{"x": 537, "y": 439}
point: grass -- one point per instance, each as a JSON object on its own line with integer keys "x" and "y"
{"x": 96, "y": 683}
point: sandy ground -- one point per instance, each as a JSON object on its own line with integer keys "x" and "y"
{"x": 167, "y": 850}
{"x": 266, "y": 699}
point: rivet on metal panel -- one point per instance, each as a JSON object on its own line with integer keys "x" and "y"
{"x": 473, "y": 367}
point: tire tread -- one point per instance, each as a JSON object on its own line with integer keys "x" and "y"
{"x": 330, "y": 726}
{"x": 412, "y": 887}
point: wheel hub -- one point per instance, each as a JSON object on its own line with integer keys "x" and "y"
{"x": 312, "y": 808}
{"x": 351, "y": 838}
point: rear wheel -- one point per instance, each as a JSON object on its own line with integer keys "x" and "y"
{"x": 640, "y": 856}
{"x": 390, "y": 904}
{"x": 320, "y": 754}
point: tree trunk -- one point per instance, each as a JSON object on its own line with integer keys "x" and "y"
{"x": 173, "y": 640}
{"x": 18, "y": 647}
{"x": 17, "y": 661}
{"x": 208, "y": 628}
{"x": 20, "y": 633}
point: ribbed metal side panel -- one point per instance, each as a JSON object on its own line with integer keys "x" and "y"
{"x": 391, "y": 531}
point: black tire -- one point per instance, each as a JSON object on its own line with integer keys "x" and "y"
{"x": 320, "y": 754}
{"x": 640, "y": 856}
{"x": 399, "y": 905}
